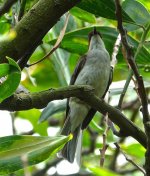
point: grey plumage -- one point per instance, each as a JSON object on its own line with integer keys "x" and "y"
{"x": 93, "y": 69}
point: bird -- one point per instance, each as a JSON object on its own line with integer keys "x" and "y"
{"x": 93, "y": 69}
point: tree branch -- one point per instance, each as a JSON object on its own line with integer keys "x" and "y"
{"x": 25, "y": 101}
{"x": 33, "y": 27}
{"x": 129, "y": 160}
{"x": 139, "y": 79}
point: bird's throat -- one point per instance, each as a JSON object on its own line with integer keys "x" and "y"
{"x": 96, "y": 43}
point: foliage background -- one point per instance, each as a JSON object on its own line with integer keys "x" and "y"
{"x": 55, "y": 72}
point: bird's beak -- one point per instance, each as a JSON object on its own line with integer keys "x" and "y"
{"x": 94, "y": 32}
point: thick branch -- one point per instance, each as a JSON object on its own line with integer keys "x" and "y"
{"x": 33, "y": 27}
{"x": 24, "y": 101}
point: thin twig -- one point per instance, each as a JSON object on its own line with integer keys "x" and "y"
{"x": 139, "y": 79}
{"x": 115, "y": 51}
{"x": 131, "y": 104}
{"x": 131, "y": 61}
{"x": 12, "y": 115}
{"x": 130, "y": 160}
{"x": 124, "y": 90}
{"x": 125, "y": 172}
{"x": 114, "y": 62}
{"x": 62, "y": 33}
{"x": 105, "y": 145}
{"x": 25, "y": 162}
{"x": 141, "y": 43}
{"x": 121, "y": 140}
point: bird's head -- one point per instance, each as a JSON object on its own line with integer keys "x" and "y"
{"x": 95, "y": 39}
{"x": 94, "y": 33}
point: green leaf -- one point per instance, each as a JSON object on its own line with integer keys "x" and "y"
{"x": 146, "y": 4}
{"x": 83, "y": 15}
{"x": 4, "y": 69}
{"x": 8, "y": 87}
{"x": 38, "y": 75}
{"x": 95, "y": 126}
{"x": 34, "y": 148}
{"x": 59, "y": 59}
{"x": 34, "y": 113}
{"x": 77, "y": 42}
{"x": 101, "y": 171}
{"x": 13, "y": 63}
{"x": 135, "y": 150}
{"x": 140, "y": 15}
{"x": 103, "y": 8}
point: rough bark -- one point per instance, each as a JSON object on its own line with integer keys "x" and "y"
{"x": 24, "y": 101}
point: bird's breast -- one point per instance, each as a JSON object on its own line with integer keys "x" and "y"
{"x": 95, "y": 72}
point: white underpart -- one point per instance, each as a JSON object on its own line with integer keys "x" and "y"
{"x": 95, "y": 72}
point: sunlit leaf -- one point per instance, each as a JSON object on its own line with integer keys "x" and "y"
{"x": 33, "y": 116}
{"x": 102, "y": 172}
{"x": 8, "y": 37}
{"x": 38, "y": 72}
{"x": 135, "y": 150}
{"x": 83, "y": 15}
{"x": 4, "y": 69}
{"x": 16, "y": 150}
{"x": 146, "y": 4}
{"x": 13, "y": 73}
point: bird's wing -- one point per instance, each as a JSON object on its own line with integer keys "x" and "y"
{"x": 92, "y": 111}
{"x": 109, "y": 82}
{"x": 74, "y": 77}
{"x": 78, "y": 69}
{"x": 88, "y": 118}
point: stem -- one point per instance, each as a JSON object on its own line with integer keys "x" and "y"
{"x": 22, "y": 9}
{"x": 143, "y": 38}
{"x": 139, "y": 80}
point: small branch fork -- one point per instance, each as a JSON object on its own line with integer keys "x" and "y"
{"x": 129, "y": 160}
{"x": 132, "y": 64}
{"x": 131, "y": 73}
{"x": 140, "y": 85}
{"x": 115, "y": 51}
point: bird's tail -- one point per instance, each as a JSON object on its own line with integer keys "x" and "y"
{"x": 69, "y": 150}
